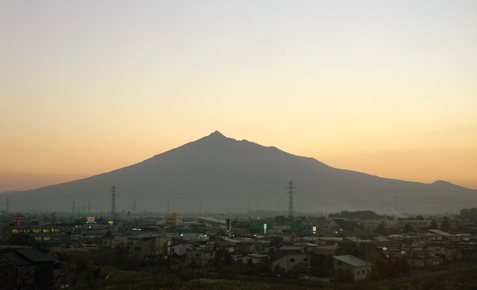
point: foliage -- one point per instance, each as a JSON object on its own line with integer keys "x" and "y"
{"x": 263, "y": 269}
{"x": 445, "y": 225}
{"x": 281, "y": 219}
{"x": 342, "y": 276}
{"x": 469, "y": 213}
{"x": 227, "y": 273}
{"x": 408, "y": 228}
{"x": 361, "y": 214}
{"x": 320, "y": 264}
{"x": 380, "y": 229}
{"x": 135, "y": 280}
{"x": 22, "y": 240}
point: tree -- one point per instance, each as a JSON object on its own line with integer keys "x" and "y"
{"x": 192, "y": 264}
{"x": 433, "y": 225}
{"x": 380, "y": 230}
{"x": 445, "y": 225}
{"x": 263, "y": 268}
{"x": 281, "y": 219}
{"x": 407, "y": 228}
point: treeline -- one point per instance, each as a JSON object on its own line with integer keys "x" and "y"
{"x": 360, "y": 214}
{"x": 469, "y": 214}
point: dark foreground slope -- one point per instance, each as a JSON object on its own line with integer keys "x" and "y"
{"x": 216, "y": 173}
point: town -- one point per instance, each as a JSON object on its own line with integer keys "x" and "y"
{"x": 83, "y": 250}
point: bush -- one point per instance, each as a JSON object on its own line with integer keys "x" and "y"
{"x": 227, "y": 273}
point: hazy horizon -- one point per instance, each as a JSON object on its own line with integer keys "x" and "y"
{"x": 385, "y": 88}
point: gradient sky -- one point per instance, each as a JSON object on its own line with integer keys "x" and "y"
{"x": 383, "y": 87}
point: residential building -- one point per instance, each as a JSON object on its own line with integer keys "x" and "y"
{"x": 357, "y": 267}
{"x": 173, "y": 220}
{"x": 290, "y": 260}
{"x": 149, "y": 247}
{"x": 27, "y": 268}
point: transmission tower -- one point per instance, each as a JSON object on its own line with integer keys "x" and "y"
{"x": 291, "y": 191}
{"x": 113, "y": 202}
{"x": 73, "y": 206}
{"x": 89, "y": 206}
{"x": 8, "y": 205}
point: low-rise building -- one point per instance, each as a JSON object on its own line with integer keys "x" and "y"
{"x": 149, "y": 247}
{"x": 358, "y": 268}
{"x": 290, "y": 260}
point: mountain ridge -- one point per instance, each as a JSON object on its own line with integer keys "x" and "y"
{"x": 216, "y": 172}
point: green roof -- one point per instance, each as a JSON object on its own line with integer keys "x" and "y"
{"x": 260, "y": 227}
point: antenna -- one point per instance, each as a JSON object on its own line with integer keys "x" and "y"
{"x": 291, "y": 191}
{"x": 113, "y": 202}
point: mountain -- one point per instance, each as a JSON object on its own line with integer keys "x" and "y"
{"x": 215, "y": 173}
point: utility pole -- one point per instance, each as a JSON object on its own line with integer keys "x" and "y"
{"x": 113, "y": 202}
{"x": 291, "y": 191}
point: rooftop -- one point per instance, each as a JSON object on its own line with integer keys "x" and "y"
{"x": 351, "y": 260}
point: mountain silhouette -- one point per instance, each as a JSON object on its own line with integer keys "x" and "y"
{"x": 217, "y": 173}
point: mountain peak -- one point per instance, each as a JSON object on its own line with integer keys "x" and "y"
{"x": 217, "y": 134}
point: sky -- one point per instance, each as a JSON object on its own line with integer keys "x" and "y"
{"x": 387, "y": 88}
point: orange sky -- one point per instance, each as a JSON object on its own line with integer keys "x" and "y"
{"x": 384, "y": 88}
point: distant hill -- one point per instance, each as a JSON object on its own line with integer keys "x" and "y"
{"x": 215, "y": 173}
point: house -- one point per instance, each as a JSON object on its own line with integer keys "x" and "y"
{"x": 363, "y": 251}
{"x": 173, "y": 220}
{"x": 200, "y": 257}
{"x": 290, "y": 260}
{"x": 149, "y": 247}
{"x": 181, "y": 248}
{"x": 110, "y": 241}
{"x": 349, "y": 264}
{"x": 419, "y": 257}
{"x": 254, "y": 258}
{"x": 326, "y": 250}
{"x": 27, "y": 268}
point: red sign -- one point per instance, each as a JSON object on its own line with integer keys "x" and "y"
{"x": 90, "y": 219}
{"x": 19, "y": 220}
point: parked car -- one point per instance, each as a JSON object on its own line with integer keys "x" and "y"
{"x": 303, "y": 277}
